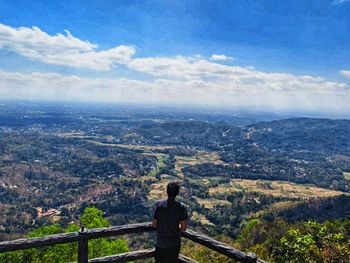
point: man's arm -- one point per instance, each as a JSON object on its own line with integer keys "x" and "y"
{"x": 183, "y": 218}
{"x": 155, "y": 216}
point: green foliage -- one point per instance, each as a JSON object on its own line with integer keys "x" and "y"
{"x": 251, "y": 233}
{"x": 314, "y": 242}
{"x": 50, "y": 254}
{"x": 91, "y": 218}
{"x": 296, "y": 247}
{"x": 303, "y": 242}
{"x": 202, "y": 254}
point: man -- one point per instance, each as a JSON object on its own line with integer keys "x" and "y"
{"x": 169, "y": 219}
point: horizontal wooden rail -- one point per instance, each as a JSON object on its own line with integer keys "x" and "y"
{"x": 183, "y": 259}
{"x": 83, "y": 236}
{"x": 135, "y": 255}
{"x": 220, "y": 247}
{"x": 125, "y": 257}
{"x": 119, "y": 230}
{"x": 25, "y": 243}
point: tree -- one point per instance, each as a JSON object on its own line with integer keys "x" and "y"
{"x": 314, "y": 242}
{"x": 91, "y": 218}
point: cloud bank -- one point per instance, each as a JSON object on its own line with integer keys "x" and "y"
{"x": 60, "y": 49}
{"x": 192, "y": 80}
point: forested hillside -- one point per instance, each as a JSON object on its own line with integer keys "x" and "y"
{"x": 55, "y": 162}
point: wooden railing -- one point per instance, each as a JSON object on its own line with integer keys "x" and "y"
{"x": 83, "y": 236}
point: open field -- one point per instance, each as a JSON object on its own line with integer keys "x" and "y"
{"x": 346, "y": 175}
{"x": 134, "y": 147}
{"x": 200, "y": 158}
{"x": 284, "y": 205}
{"x": 211, "y": 202}
{"x": 158, "y": 189}
{"x": 222, "y": 189}
{"x": 274, "y": 188}
{"x": 209, "y": 182}
{"x": 160, "y": 164}
{"x": 200, "y": 218}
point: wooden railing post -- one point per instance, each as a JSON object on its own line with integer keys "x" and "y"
{"x": 83, "y": 252}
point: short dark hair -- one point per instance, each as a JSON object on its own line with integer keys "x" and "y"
{"x": 173, "y": 189}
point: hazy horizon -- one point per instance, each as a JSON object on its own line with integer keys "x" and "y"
{"x": 187, "y": 110}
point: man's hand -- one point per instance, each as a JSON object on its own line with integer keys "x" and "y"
{"x": 154, "y": 223}
{"x": 183, "y": 226}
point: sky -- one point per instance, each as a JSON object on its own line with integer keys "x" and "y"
{"x": 240, "y": 54}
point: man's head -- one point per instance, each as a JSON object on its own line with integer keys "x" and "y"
{"x": 172, "y": 189}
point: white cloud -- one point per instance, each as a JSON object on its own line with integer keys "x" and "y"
{"x": 180, "y": 79}
{"x": 220, "y": 57}
{"x": 345, "y": 73}
{"x": 181, "y": 67}
{"x": 339, "y": 2}
{"x": 60, "y": 49}
{"x": 233, "y": 77}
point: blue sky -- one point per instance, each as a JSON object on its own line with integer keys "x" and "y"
{"x": 282, "y": 55}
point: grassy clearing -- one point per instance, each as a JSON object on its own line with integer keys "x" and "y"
{"x": 200, "y": 218}
{"x": 274, "y": 188}
{"x": 282, "y": 205}
{"x": 282, "y": 189}
{"x": 273, "y": 208}
{"x": 346, "y": 175}
{"x": 211, "y": 202}
{"x": 222, "y": 189}
{"x": 158, "y": 189}
{"x": 160, "y": 164}
{"x": 146, "y": 148}
{"x": 77, "y": 135}
{"x": 200, "y": 158}
{"x": 208, "y": 182}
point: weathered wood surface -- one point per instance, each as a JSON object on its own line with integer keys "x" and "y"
{"x": 183, "y": 259}
{"x": 119, "y": 230}
{"x": 125, "y": 257}
{"x": 220, "y": 247}
{"x": 135, "y": 255}
{"x": 25, "y": 243}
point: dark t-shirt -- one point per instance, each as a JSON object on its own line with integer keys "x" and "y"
{"x": 169, "y": 213}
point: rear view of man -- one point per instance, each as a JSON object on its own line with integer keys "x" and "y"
{"x": 169, "y": 219}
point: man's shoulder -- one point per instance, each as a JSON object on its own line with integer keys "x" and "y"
{"x": 181, "y": 205}
{"x": 164, "y": 203}
{"x": 161, "y": 203}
